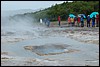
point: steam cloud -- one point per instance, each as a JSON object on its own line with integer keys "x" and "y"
{"x": 17, "y": 24}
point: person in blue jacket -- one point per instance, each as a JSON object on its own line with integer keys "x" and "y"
{"x": 82, "y": 21}
{"x": 45, "y": 20}
{"x": 93, "y": 21}
{"x": 88, "y": 21}
{"x": 48, "y": 22}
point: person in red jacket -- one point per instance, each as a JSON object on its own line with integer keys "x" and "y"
{"x": 97, "y": 20}
{"x": 69, "y": 21}
{"x": 78, "y": 21}
{"x": 59, "y": 19}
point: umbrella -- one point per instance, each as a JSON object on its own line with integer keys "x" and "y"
{"x": 83, "y": 15}
{"x": 93, "y": 13}
{"x": 79, "y": 15}
{"x": 71, "y": 15}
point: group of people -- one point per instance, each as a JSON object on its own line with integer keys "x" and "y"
{"x": 47, "y": 21}
{"x": 79, "y": 21}
{"x": 76, "y": 21}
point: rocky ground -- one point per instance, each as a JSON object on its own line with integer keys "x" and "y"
{"x": 71, "y": 57}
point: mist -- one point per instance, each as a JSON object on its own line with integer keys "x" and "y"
{"x": 17, "y": 25}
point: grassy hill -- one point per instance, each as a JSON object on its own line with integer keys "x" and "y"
{"x": 65, "y": 8}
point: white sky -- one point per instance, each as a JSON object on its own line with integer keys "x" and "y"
{"x": 16, "y": 5}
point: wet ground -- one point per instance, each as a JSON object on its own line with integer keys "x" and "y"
{"x": 51, "y": 46}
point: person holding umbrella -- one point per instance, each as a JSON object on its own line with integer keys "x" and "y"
{"x": 97, "y": 20}
{"x": 75, "y": 21}
{"x": 72, "y": 18}
{"x": 82, "y": 21}
{"x": 69, "y": 20}
{"x": 93, "y": 21}
{"x": 93, "y": 16}
{"x": 78, "y": 21}
{"x": 72, "y": 21}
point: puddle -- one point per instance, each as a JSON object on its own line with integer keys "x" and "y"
{"x": 50, "y": 49}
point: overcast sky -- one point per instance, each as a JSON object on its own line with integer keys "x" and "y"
{"x": 16, "y": 5}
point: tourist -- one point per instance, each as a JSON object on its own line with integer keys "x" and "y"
{"x": 40, "y": 20}
{"x": 69, "y": 21}
{"x": 93, "y": 21}
{"x": 48, "y": 22}
{"x": 97, "y": 20}
{"x": 78, "y": 21}
{"x": 59, "y": 19}
{"x": 88, "y": 21}
{"x": 82, "y": 21}
{"x": 75, "y": 21}
{"x": 72, "y": 21}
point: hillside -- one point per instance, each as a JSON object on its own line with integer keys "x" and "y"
{"x": 65, "y": 8}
